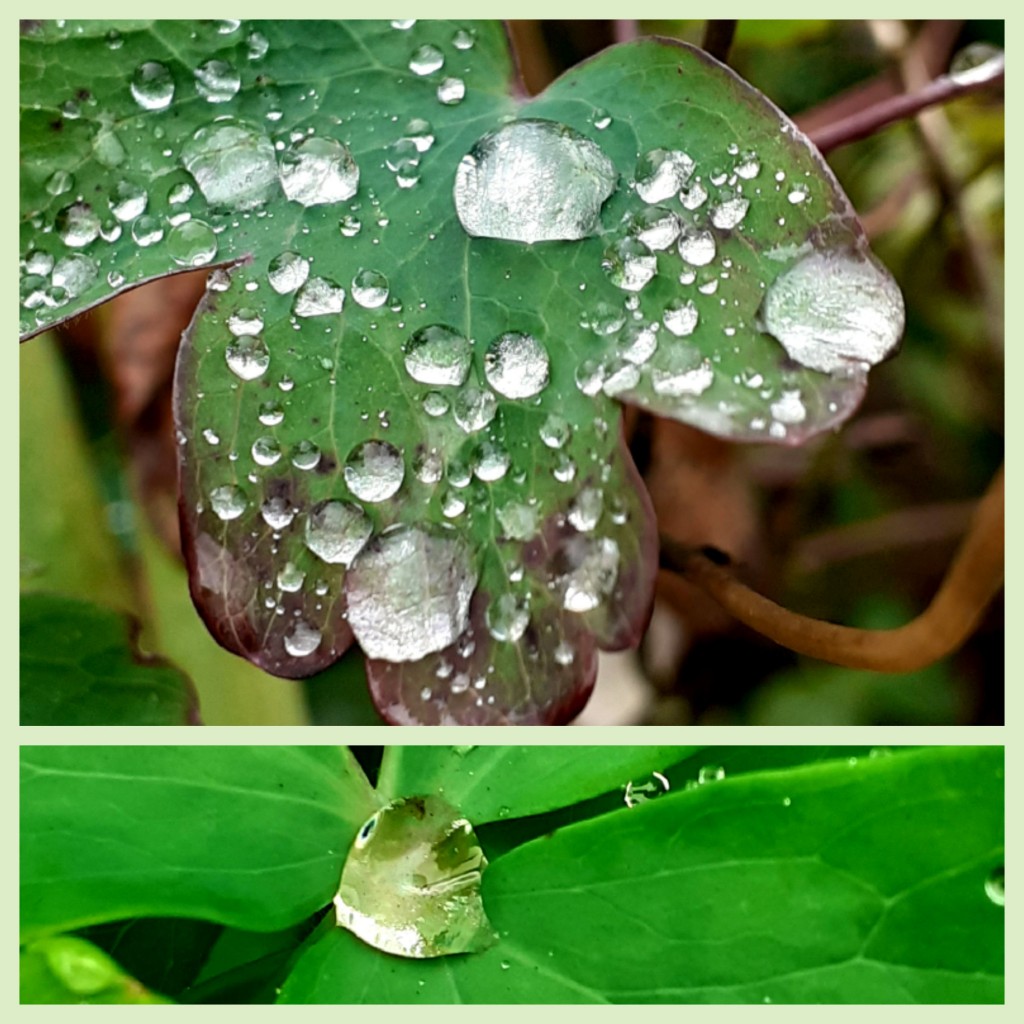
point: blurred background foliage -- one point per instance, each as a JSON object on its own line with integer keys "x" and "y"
{"x": 857, "y": 527}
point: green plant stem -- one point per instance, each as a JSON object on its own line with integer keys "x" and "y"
{"x": 718, "y": 36}
{"x": 972, "y": 580}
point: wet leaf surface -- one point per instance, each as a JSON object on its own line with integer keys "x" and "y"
{"x": 876, "y": 881}
{"x": 80, "y": 665}
{"x": 397, "y": 413}
{"x": 253, "y": 837}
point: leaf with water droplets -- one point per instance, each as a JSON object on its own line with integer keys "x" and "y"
{"x": 397, "y": 411}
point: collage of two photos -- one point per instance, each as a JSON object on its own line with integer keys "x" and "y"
{"x": 597, "y": 375}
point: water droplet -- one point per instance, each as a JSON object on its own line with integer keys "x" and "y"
{"x": 147, "y": 231}
{"x": 474, "y": 408}
{"x": 693, "y": 196}
{"x": 336, "y": 531}
{"x": 600, "y": 119}
{"x": 655, "y": 226}
{"x": 682, "y": 374}
{"x": 192, "y": 244}
{"x": 319, "y": 171}
{"x": 152, "y": 86}
{"x": 661, "y": 173}
{"x": 232, "y": 163}
{"x": 374, "y": 471}
{"x": 319, "y": 297}
{"x": 370, "y": 289}
{"x": 593, "y": 569}
{"x": 555, "y": 431}
{"x": 492, "y": 462}
{"x": 303, "y": 640}
{"x": 217, "y": 81}
{"x": 789, "y": 409}
{"x": 277, "y": 512}
{"x": 127, "y": 201}
{"x": 60, "y": 182}
{"x": 629, "y": 264}
{"x": 266, "y": 451}
{"x": 75, "y": 274}
{"x": 408, "y": 593}
{"x": 697, "y": 247}
{"x": 640, "y": 793}
{"x": 290, "y": 578}
{"x": 798, "y": 193}
{"x": 463, "y": 39}
{"x": 451, "y": 91}
{"x": 730, "y": 212}
{"x": 350, "y": 225}
{"x": 228, "y": 502}
{"x": 749, "y": 166}
{"x": 516, "y": 365}
{"x": 114, "y": 39}
{"x": 680, "y": 317}
{"x": 426, "y": 59}
{"x": 438, "y": 355}
{"x": 247, "y": 357}
{"x": 995, "y": 886}
{"x": 831, "y": 309}
{"x": 586, "y": 509}
{"x": 710, "y": 773}
{"x": 287, "y": 272}
{"x": 976, "y": 62}
{"x": 271, "y": 414}
{"x": 638, "y": 343}
{"x": 77, "y": 225}
{"x": 533, "y": 181}
{"x": 305, "y": 455}
{"x": 420, "y": 133}
{"x": 258, "y": 45}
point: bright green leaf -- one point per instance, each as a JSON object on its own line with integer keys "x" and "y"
{"x": 491, "y": 783}
{"x": 868, "y": 882}
{"x": 80, "y": 665}
{"x": 252, "y": 837}
{"x": 64, "y": 969}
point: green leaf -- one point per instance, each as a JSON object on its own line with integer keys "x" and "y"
{"x": 832, "y": 882}
{"x": 252, "y": 837}
{"x": 491, "y": 783}
{"x": 80, "y": 665}
{"x": 65, "y": 969}
{"x": 397, "y": 413}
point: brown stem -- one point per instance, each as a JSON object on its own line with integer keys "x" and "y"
{"x": 718, "y": 36}
{"x": 972, "y": 580}
{"x": 866, "y": 122}
{"x": 625, "y": 30}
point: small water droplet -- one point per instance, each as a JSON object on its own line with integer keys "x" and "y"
{"x": 995, "y": 886}
{"x": 370, "y": 289}
{"x": 586, "y": 509}
{"x": 629, "y": 264}
{"x": 152, "y": 86}
{"x": 266, "y": 451}
{"x": 290, "y": 578}
{"x": 217, "y": 81}
{"x": 247, "y": 357}
{"x": 228, "y": 502}
{"x": 639, "y": 793}
{"x": 451, "y": 91}
{"x": 730, "y": 212}
{"x": 474, "y": 408}
{"x": 192, "y": 244}
{"x": 305, "y": 455}
{"x": 697, "y": 247}
{"x": 594, "y": 568}
{"x": 277, "y": 512}
{"x": 374, "y": 471}
{"x": 710, "y": 773}
{"x": 303, "y": 640}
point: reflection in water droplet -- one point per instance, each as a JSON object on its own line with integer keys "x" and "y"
{"x": 247, "y": 357}
{"x": 287, "y": 272}
{"x": 233, "y": 164}
{"x": 533, "y": 181}
{"x": 271, "y": 413}
{"x": 438, "y": 355}
{"x": 319, "y": 171}
{"x": 411, "y": 882}
{"x": 152, "y": 86}
{"x": 303, "y": 640}
{"x": 408, "y": 593}
{"x": 831, "y": 309}
{"x": 217, "y": 81}
{"x": 192, "y": 244}
{"x": 594, "y": 568}
{"x": 336, "y": 531}
{"x": 77, "y": 225}
{"x": 370, "y": 289}
{"x": 661, "y": 173}
{"x": 463, "y": 39}
{"x": 228, "y": 502}
{"x": 374, "y": 471}
{"x": 516, "y": 365}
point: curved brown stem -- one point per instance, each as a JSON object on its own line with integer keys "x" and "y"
{"x": 972, "y": 580}
{"x": 718, "y": 36}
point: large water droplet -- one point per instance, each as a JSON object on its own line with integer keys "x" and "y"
{"x": 831, "y": 309}
{"x": 411, "y": 882}
{"x": 533, "y": 181}
{"x": 232, "y": 163}
{"x": 247, "y": 357}
{"x": 682, "y": 373}
{"x": 319, "y": 297}
{"x": 516, "y": 365}
{"x": 594, "y": 568}
{"x": 426, "y": 59}
{"x": 287, "y": 272}
{"x": 370, "y": 289}
{"x": 438, "y": 355}
{"x": 319, "y": 171}
{"x": 409, "y": 592}
{"x": 680, "y": 317}
{"x": 217, "y": 81}
{"x": 451, "y": 91}
{"x": 277, "y": 512}
{"x": 303, "y": 640}
{"x": 192, "y": 244}
{"x": 661, "y": 173}
{"x": 697, "y": 247}
{"x": 629, "y": 264}
{"x": 128, "y": 200}
{"x": 374, "y": 471}
{"x": 75, "y": 274}
{"x": 152, "y": 86}
{"x": 77, "y": 225}
{"x": 336, "y": 531}
{"x": 729, "y": 213}
{"x": 655, "y": 226}
{"x": 228, "y": 502}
